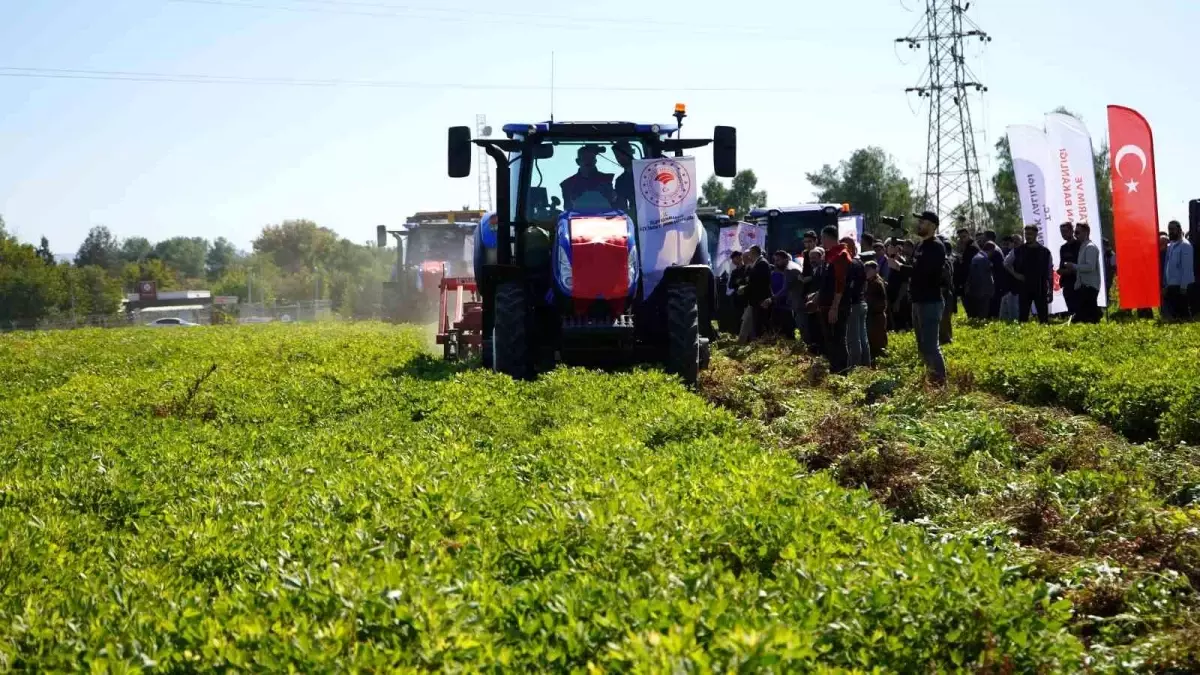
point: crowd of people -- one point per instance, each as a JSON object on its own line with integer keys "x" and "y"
{"x": 842, "y": 301}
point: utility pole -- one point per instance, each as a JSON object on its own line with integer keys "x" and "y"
{"x": 952, "y": 182}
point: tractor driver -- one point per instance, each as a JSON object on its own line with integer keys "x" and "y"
{"x": 623, "y": 152}
{"x": 588, "y": 179}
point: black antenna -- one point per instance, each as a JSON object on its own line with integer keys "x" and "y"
{"x": 552, "y": 87}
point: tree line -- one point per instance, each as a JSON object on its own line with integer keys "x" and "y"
{"x": 294, "y": 261}
{"x": 297, "y": 260}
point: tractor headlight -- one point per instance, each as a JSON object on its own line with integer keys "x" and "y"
{"x": 564, "y": 270}
{"x": 633, "y": 267}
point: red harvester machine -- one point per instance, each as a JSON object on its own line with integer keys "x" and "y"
{"x": 460, "y": 318}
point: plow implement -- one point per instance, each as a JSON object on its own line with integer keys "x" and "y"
{"x": 460, "y": 318}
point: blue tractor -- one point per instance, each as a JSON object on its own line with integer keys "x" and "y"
{"x": 560, "y": 263}
{"x": 787, "y": 225}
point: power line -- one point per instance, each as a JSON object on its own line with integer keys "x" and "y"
{"x": 563, "y": 22}
{"x": 521, "y": 15}
{"x": 180, "y": 78}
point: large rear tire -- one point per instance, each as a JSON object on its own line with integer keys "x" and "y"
{"x": 510, "y": 344}
{"x": 683, "y": 332}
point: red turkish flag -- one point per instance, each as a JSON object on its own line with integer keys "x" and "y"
{"x": 1135, "y": 207}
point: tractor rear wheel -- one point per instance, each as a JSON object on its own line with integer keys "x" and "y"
{"x": 683, "y": 332}
{"x": 510, "y": 345}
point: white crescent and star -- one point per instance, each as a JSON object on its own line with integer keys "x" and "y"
{"x": 1131, "y": 185}
{"x": 1127, "y": 150}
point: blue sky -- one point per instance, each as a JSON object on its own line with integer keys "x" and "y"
{"x": 163, "y": 159}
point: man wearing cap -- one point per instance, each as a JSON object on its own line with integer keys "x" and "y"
{"x": 587, "y": 179}
{"x": 623, "y": 152}
{"x": 927, "y": 287}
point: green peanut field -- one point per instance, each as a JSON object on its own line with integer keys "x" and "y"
{"x": 329, "y": 497}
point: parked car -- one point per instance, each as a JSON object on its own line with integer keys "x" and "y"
{"x": 171, "y": 321}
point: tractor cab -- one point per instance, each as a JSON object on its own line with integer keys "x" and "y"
{"x": 441, "y": 245}
{"x": 786, "y": 226}
{"x": 560, "y": 263}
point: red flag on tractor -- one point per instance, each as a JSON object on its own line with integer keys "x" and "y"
{"x": 1135, "y": 208}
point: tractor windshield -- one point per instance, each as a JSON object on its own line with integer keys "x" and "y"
{"x": 582, "y": 176}
{"x": 786, "y": 231}
{"x": 436, "y": 244}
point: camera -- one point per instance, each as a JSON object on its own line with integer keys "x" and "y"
{"x": 893, "y": 222}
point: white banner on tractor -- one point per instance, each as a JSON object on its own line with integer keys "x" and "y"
{"x": 727, "y": 243}
{"x": 750, "y": 235}
{"x": 739, "y": 238}
{"x": 851, "y": 226}
{"x": 668, "y": 229}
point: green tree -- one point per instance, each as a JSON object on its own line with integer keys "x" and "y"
{"x": 135, "y": 249}
{"x": 234, "y": 282}
{"x": 254, "y": 278}
{"x": 296, "y": 245}
{"x": 100, "y": 249}
{"x": 740, "y": 196}
{"x": 187, "y": 255}
{"x": 870, "y": 182}
{"x": 44, "y": 252}
{"x": 1104, "y": 193}
{"x": 150, "y": 269}
{"x": 29, "y": 288}
{"x": 92, "y": 290}
{"x": 221, "y": 256}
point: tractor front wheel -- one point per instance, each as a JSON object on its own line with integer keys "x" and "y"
{"x": 509, "y": 343}
{"x": 683, "y": 332}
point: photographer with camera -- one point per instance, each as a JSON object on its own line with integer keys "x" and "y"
{"x": 899, "y": 309}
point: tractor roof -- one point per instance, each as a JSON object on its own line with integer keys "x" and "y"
{"x": 438, "y": 225}
{"x": 799, "y": 208}
{"x": 589, "y": 128}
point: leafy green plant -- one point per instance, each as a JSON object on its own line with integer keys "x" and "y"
{"x": 1058, "y": 494}
{"x": 324, "y": 497}
{"x": 1136, "y": 378}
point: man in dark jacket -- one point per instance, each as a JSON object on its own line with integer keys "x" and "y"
{"x": 735, "y": 297}
{"x": 967, "y": 250}
{"x": 1068, "y": 257}
{"x": 834, "y": 301}
{"x": 926, "y": 289}
{"x": 899, "y": 306}
{"x": 981, "y": 285}
{"x": 1032, "y": 267}
{"x": 758, "y": 290}
{"x": 812, "y": 288}
{"x": 1000, "y": 276}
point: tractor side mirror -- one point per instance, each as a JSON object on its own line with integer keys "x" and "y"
{"x": 459, "y": 152}
{"x": 725, "y": 151}
{"x": 381, "y": 236}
